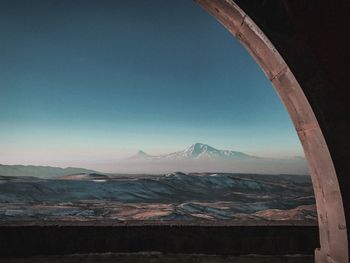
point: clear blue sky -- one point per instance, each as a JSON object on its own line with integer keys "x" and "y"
{"x": 98, "y": 80}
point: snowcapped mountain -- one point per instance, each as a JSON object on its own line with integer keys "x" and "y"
{"x": 197, "y": 151}
{"x": 200, "y": 157}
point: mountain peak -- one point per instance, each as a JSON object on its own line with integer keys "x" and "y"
{"x": 199, "y": 148}
{"x": 141, "y": 153}
{"x": 199, "y": 145}
{"x": 197, "y": 151}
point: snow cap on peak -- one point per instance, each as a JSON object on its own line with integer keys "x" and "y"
{"x": 199, "y": 148}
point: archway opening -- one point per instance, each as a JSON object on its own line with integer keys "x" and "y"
{"x": 281, "y": 77}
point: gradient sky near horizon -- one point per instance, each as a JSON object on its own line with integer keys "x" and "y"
{"x": 98, "y": 80}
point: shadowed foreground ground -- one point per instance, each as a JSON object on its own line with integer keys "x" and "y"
{"x": 160, "y": 258}
{"x": 51, "y": 240}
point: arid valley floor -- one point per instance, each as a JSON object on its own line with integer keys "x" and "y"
{"x": 175, "y": 197}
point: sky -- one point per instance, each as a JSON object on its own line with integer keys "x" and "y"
{"x": 96, "y": 81}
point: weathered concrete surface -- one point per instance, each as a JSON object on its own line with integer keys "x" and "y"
{"x": 161, "y": 258}
{"x": 302, "y": 46}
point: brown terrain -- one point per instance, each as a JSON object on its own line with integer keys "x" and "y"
{"x": 177, "y": 197}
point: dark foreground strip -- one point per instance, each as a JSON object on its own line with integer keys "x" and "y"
{"x": 160, "y": 258}
{"x": 22, "y": 241}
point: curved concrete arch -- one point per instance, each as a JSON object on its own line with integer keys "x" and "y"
{"x": 331, "y": 216}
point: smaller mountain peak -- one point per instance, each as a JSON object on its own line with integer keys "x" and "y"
{"x": 141, "y": 153}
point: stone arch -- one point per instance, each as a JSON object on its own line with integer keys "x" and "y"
{"x": 331, "y": 215}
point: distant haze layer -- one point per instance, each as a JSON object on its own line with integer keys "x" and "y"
{"x": 204, "y": 158}
{"x": 197, "y": 158}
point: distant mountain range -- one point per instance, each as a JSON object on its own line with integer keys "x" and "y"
{"x": 198, "y": 157}
{"x": 197, "y": 151}
{"x": 44, "y": 172}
